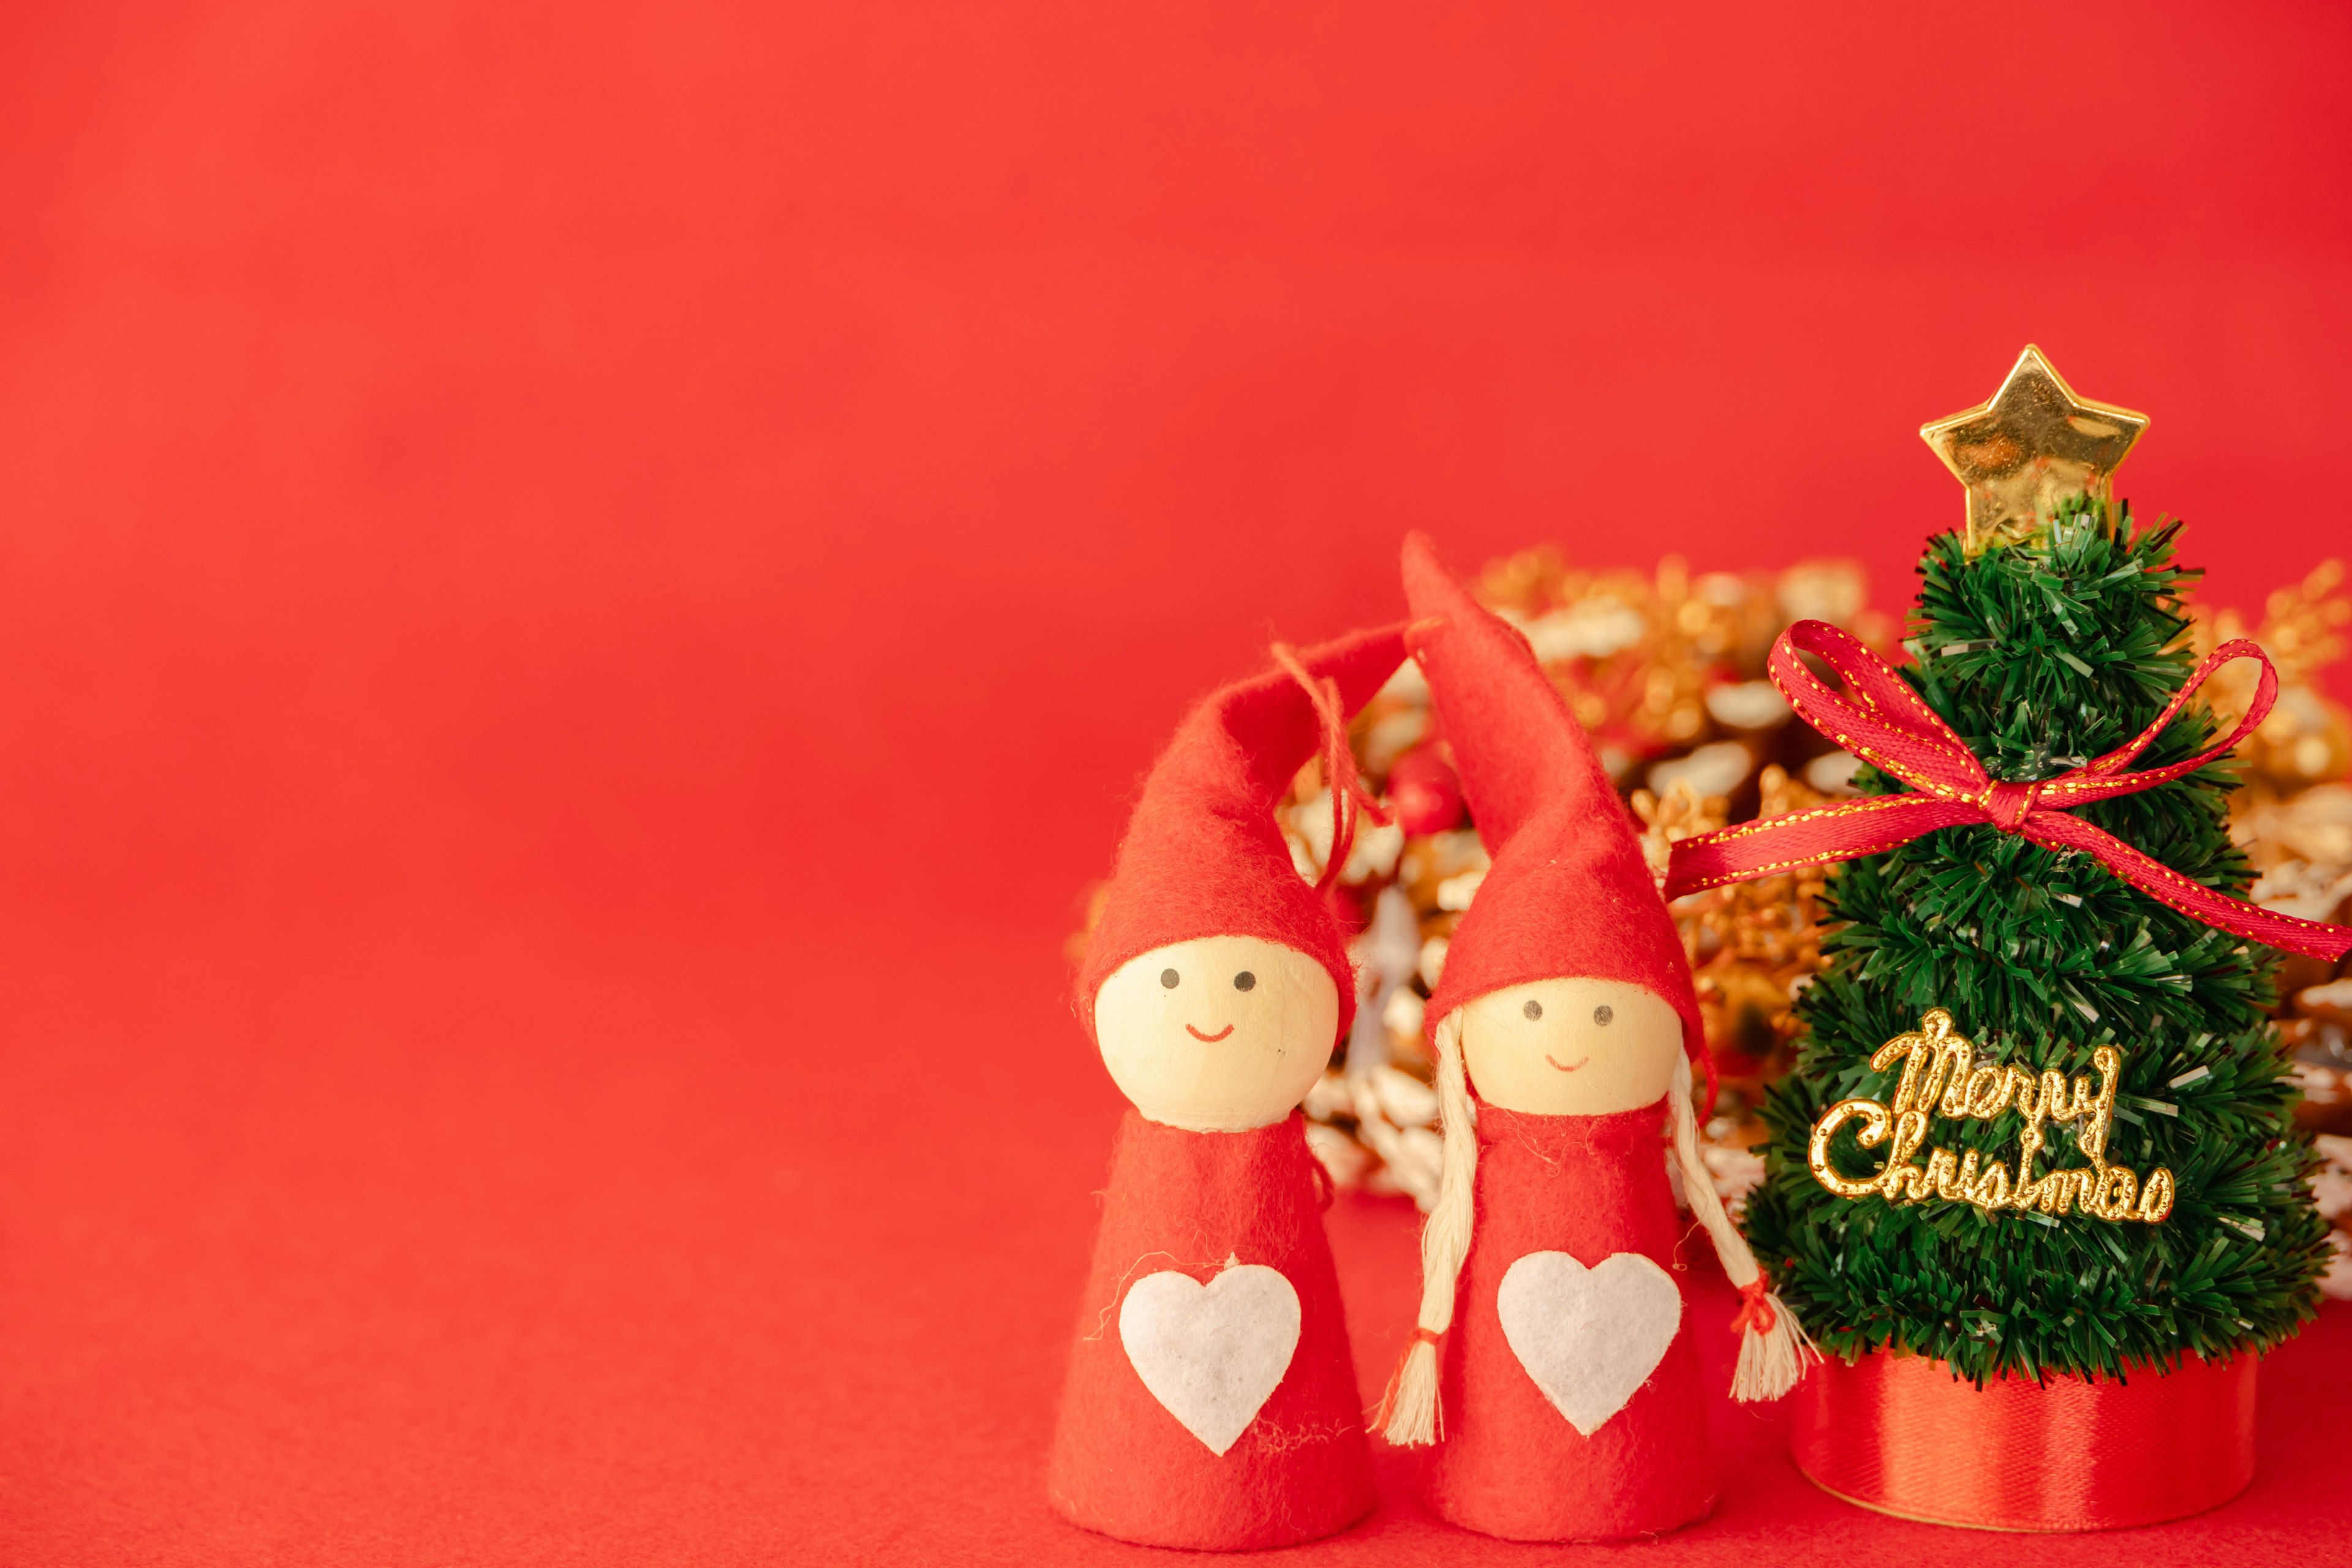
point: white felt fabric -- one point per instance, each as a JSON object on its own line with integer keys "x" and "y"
{"x": 1589, "y": 1337}
{"x": 1212, "y": 1354}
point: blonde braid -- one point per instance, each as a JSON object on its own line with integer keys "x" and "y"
{"x": 1409, "y": 1413}
{"x": 1773, "y": 1346}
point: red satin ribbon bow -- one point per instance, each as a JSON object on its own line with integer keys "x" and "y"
{"x": 1882, "y": 721}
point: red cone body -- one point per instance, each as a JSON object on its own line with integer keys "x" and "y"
{"x": 1510, "y": 1463}
{"x": 1124, "y": 1463}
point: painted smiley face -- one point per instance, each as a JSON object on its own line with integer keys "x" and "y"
{"x": 1571, "y": 1046}
{"x": 1220, "y": 1034}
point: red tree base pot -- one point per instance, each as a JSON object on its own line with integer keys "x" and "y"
{"x": 1900, "y": 1435}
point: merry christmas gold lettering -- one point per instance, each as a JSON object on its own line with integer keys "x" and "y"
{"x": 1941, "y": 1076}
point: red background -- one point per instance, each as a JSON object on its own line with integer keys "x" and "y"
{"x": 580, "y": 587}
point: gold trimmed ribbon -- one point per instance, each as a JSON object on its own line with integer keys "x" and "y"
{"x": 1881, "y": 720}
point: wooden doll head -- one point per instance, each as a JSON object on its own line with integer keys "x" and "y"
{"x": 1220, "y": 1034}
{"x": 1571, "y": 1046}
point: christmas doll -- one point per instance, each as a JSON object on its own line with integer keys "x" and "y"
{"x": 1210, "y": 1401}
{"x": 1566, "y": 1031}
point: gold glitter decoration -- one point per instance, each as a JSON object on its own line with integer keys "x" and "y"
{"x": 1941, "y": 1076}
{"x": 2034, "y": 445}
{"x": 2307, "y": 739}
{"x": 1752, "y": 945}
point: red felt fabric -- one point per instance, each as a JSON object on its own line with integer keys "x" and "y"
{"x": 1203, "y": 856}
{"x": 1120, "y": 1463}
{"x": 1569, "y": 894}
{"x": 1510, "y": 1464}
{"x": 580, "y": 587}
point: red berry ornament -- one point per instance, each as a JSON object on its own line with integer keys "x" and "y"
{"x": 1423, "y": 792}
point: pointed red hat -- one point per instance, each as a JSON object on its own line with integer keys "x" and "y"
{"x": 1203, "y": 856}
{"x": 1570, "y": 894}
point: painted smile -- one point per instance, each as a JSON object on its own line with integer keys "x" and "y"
{"x": 1569, "y": 1067}
{"x": 1211, "y": 1039}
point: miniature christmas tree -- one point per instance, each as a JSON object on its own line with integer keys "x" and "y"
{"x": 2069, "y": 1008}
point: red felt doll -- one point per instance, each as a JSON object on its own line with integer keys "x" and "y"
{"x": 1210, "y": 1401}
{"x": 1571, "y": 1408}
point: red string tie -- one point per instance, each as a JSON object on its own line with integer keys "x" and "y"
{"x": 1755, "y": 1306}
{"x": 1349, "y": 802}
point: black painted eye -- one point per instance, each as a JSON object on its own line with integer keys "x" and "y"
{"x": 1244, "y": 980}
{"x": 1603, "y": 1013}
{"x": 1169, "y": 977}
{"x": 1534, "y": 1009}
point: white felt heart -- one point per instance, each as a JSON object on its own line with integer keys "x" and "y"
{"x": 1589, "y": 1337}
{"x": 1212, "y": 1354}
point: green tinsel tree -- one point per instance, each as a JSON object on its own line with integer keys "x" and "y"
{"x": 2041, "y": 655}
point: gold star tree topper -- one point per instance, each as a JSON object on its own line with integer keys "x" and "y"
{"x": 2034, "y": 445}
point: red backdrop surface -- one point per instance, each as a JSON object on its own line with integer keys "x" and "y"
{"x": 580, "y": 587}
